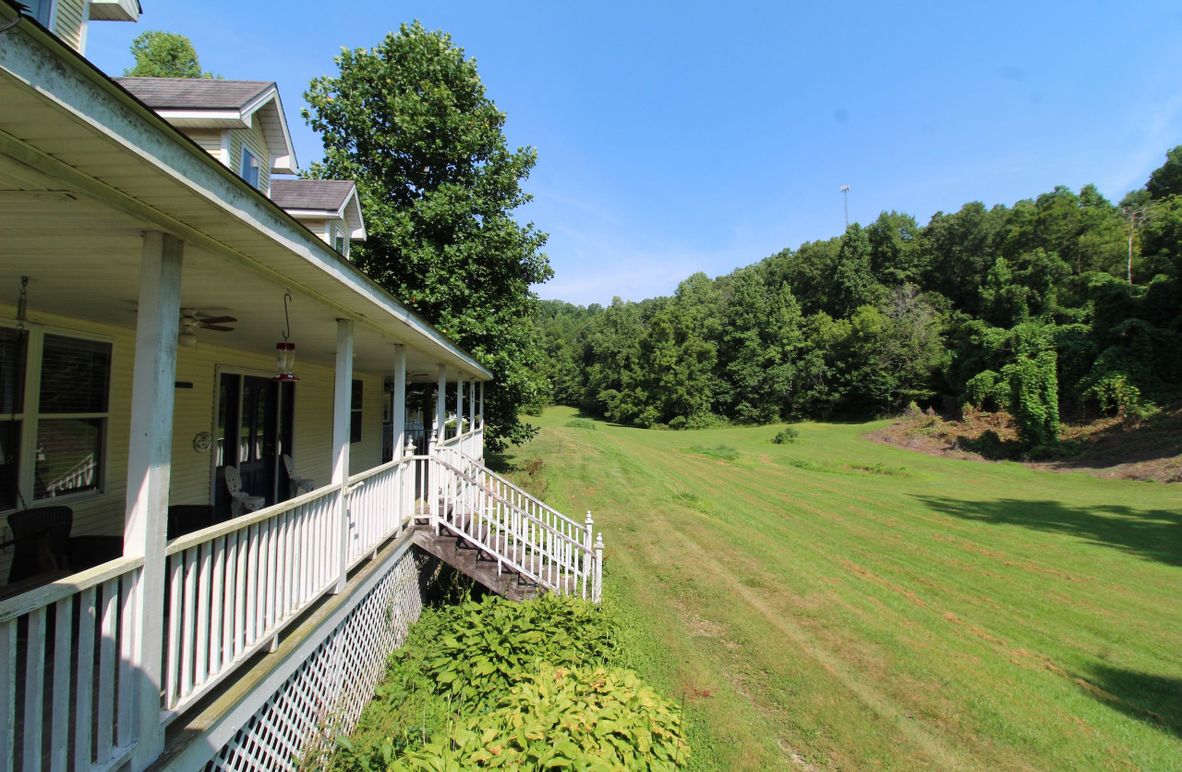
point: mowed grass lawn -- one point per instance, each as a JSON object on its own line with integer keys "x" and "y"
{"x": 840, "y": 603}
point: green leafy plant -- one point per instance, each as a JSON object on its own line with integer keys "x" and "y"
{"x": 477, "y": 650}
{"x": 581, "y": 718}
{"x": 786, "y": 436}
{"x": 1034, "y": 398}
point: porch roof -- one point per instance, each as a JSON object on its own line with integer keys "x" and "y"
{"x": 85, "y": 168}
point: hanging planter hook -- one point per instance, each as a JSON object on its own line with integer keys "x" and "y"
{"x": 287, "y": 319}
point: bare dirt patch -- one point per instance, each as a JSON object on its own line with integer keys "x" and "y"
{"x": 1104, "y": 447}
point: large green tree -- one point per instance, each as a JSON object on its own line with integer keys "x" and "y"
{"x": 410, "y": 121}
{"x": 164, "y": 55}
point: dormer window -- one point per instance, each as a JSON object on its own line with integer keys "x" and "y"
{"x": 342, "y": 246}
{"x": 250, "y": 167}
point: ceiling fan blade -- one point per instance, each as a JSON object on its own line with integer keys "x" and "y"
{"x": 216, "y": 327}
{"x": 216, "y": 319}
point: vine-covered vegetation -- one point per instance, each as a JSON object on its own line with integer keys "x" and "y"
{"x": 1066, "y": 303}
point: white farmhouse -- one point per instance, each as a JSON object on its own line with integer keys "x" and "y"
{"x": 209, "y": 548}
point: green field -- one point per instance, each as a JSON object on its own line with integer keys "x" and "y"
{"x": 835, "y": 602}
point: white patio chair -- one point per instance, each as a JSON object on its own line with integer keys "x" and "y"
{"x": 297, "y": 484}
{"x": 241, "y": 502}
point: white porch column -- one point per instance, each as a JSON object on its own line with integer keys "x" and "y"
{"x": 472, "y": 403}
{"x": 341, "y": 406}
{"x": 149, "y": 466}
{"x": 441, "y": 404}
{"x": 459, "y": 405}
{"x": 399, "y": 396}
{"x": 482, "y": 404}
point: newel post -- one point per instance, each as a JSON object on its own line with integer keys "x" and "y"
{"x": 431, "y": 487}
{"x": 587, "y": 562}
{"x": 342, "y": 399}
{"x": 598, "y": 591}
{"x": 408, "y": 482}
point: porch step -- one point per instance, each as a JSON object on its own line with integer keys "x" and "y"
{"x": 475, "y": 563}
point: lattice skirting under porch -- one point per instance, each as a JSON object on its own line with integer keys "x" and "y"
{"x": 327, "y": 693}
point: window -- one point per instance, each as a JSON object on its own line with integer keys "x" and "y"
{"x": 12, "y": 383}
{"x": 72, "y": 416}
{"x": 355, "y": 413}
{"x": 250, "y": 167}
{"x": 340, "y": 245}
{"x": 40, "y": 10}
{"x": 52, "y": 437}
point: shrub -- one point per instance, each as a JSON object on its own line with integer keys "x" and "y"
{"x": 582, "y": 718}
{"x": 1034, "y": 398}
{"x": 475, "y": 650}
{"x": 581, "y": 423}
{"x": 1114, "y": 394}
{"x": 704, "y": 421}
{"x": 987, "y": 390}
{"x": 785, "y": 436}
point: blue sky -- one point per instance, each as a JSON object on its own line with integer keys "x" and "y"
{"x": 682, "y": 137}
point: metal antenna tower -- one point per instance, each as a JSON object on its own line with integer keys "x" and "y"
{"x": 845, "y": 198}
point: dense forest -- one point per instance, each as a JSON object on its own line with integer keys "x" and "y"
{"x": 1066, "y": 304}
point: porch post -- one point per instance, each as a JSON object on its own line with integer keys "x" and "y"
{"x": 472, "y": 403}
{"x": 399, "y": 418}
{"x": 342, "y": 396}
{"x": 149, "y": 466}
{"x": 459, "y": 404}
{"x": 441, "y": 405}
{"x": 482, "y": 404}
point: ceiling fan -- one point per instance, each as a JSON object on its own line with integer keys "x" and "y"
{"x": 193, "y": 320}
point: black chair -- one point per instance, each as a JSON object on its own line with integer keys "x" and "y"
{"x": 186, "y": 518}
{"x": 41, "y": 539}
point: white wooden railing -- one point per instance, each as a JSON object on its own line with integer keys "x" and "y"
{"x": 232, "y": 587}
{"x": 470, "y": 443}
{"x": 515, "y": 528}
{"x": 66, "y": 682}
{"x": 66, "y": 685}
{"x": 381, "y": 502}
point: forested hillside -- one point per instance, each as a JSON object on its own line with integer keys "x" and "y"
{"x": 1063, "y": 304}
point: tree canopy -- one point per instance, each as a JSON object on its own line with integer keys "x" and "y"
{"x": 1031, "y": 308}
{"x": 410, "y": 122}
{"x": 164, "y": 55}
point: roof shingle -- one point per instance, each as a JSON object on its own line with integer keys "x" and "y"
{"x": 324, "y": 195}
{"x": 194, "y": 93}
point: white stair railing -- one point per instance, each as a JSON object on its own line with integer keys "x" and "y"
{"x": 515, "y": 528}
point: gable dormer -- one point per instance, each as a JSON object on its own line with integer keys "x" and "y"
{"x": 328, "y": 208}
{"x": 239, "y": 122}
{"x": 68, "y": 19}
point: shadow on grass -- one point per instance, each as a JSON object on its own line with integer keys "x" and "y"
{"x": 499, "y": 463}
{"x": 1151, "y": 534}
{"x": 1154, "y": 699}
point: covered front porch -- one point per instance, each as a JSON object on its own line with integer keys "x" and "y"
{"x": 120, "y": 245}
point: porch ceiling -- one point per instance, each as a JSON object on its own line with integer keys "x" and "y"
{"x": 76, "y": 193}
{"x": 82, "y": 259}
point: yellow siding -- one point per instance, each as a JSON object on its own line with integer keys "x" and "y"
{"x": 210, "y": 141}
{"x": 257, "y": 142}
{"x": 68, "y": 22}
{"x": 102, "y": 512}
